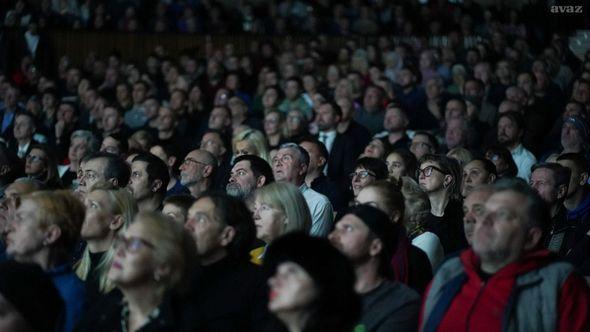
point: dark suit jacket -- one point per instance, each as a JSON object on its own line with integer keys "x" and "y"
{"x": 342, "y": 159}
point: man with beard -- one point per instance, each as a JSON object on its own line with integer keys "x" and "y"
{"x": 197, "y": 171}
{"x": 510, "y": 133}
{"x": 497, "y": 284}
{"x": 395, "y": 124}
{"x": 248, "y": 173}
{"x": 148, "y": 181}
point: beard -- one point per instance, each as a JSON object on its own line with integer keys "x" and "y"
{"x": 235, "y": 190}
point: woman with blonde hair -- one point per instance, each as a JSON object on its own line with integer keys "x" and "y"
{"x": 44, "y": 231}
{"x": 279, "y": 208}
{"x": 250, "y": 141}
{"x": 109, "y": 211}
{"x": 153, "y": 261}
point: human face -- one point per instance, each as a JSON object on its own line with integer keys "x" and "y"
{"x": 295, "y": 121}
{"x": 473, "y": 211}
{"x": 326, "y": 118}
{"x": 110, "y": 145}
{"x": 371, "y": 99}
{"x": 291, "y": 289}
{"x": 270, "y": 98}
{"x": 351, "y": 237}
{"x": 139, "y": 184}
{"x": 371, "y": 196}
{"x": 360, "y": 178}
{"x": 35, "y": 162}
{"x": 77, "y": 150}
{"x": 570, "y": 136}
{"x": 474, "y": 174}
{"x": 431, "y": 178}
{"x": 98, "y": 217}
{"x": 192, "y": 169}
{"x": 291, "y": 90}
{"x": 219, "y": 118}
{"x": 271, "y": 123}
{"x": 134, "y": 263}
{"x": 23, "y": 127}
{"x": 270, "y": 221}
{"x": 455, "y": 134}
{"x": 543, "y": 182}
{"x": 92, "y": 172}
{"x": 244, "y": 147}
{"x": 375, "y": 149}
{"x": 241, "y": 181}
{"x": 165, "y": 119}
{"x": 24, "y": 233}
{"x": 395, "y": 165}
{"x": 394, "y": 120}
{"x": 315, "y": 159}
{"x": 111, "y": 119}
{"x": 212, "y": 142}
{"x": 420, "y": 146}
{"x": 286, "y": 167}
{"x": 500, "y": 237}
{"x": 175, "y": 212}
{"x": 578, "y": 179}
{"x": 206, "y": 229}
{"x": 508, "y": 132}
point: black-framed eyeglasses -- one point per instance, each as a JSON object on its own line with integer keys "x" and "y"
{"x": 427, "y": 171}
{"x": 361, "y": 174}
{"x": 132, "y": 243}
{"x": 191, "y": 160}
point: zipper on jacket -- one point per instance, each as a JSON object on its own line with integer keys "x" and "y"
{"x": 474, "y": 305}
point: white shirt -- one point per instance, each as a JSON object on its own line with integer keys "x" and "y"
{"x": 328, "y": 138}
{"x": 322, "y": 214}
{"x": 524, "y": 160}
{"x": 22, "y": 150}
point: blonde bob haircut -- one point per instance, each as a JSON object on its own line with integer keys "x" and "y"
{"x": 287, "y": 198}
{"x": 256, "y": 142}
{"x": 121, "y": 203}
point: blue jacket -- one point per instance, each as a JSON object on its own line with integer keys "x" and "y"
{"x": 72, "y": 291}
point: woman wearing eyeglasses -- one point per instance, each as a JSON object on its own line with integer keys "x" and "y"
{"x": 152, "y": 262}
{"x": 40, "y": 165}
{"x": 440, "y": 178}
{"x": 109, "y": 211}
{"x": 367, "y": 170}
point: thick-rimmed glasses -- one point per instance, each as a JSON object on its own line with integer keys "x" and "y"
{"x": 132, "y": 243}
{"x": 361, "y": 174}
{"x": 188, "y": 160}
{"x": 427, "y": 171}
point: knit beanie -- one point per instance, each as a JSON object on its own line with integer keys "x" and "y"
{"x": 32, "y": 294}
{"x": 380, "y": 225}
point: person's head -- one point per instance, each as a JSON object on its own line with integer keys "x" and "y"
{"x": 28, "y": 298}
{"x": 575, "y": 134}
{"x": 198, "y": 166}
{"x": 280, "y": 208}
{"x": 115, "y": 144}
{"x": 395, "y": 118}
{"x": 220, "y": 118}
{"x": 400, "y": 163}
{"x": 367, "y": 170}
{"x": 248, "y": 173}
{"x": 222, "y": 226}
{"x": 166, "y": 119}
{"x": 153, "y": 253}
{"x": 112, "y": 119}
{"x": 385, "y": 196}
{"x": 176, "y": 207}
{"x": 103, "y": 166}
{"x": 423, "y": 143}
{"x": 474, "y": 209}
{"x": 456, "y": 133}
{"x": 328, "y": 116}
{"x": 310, "y": 278}
{"x": 550, "y": 181}
{"x": 455, "y": 109}
{"x": 514, "y": 223}
{"x": 250, "y": 142}
{"x": 237, "y": 107}
{"x": 82, "y": 143}
{"x": 273, "y": 123}
{"x": 366, "y": 236}
{"x": 439, "y": 173}
{"x": 318, "y": 154}
{"x": 149, "y": 177}
{"x": 461, "y": 155}
{"x": 477, "y": 172}
{"x": 40, "y": 163}
{"x": 510, "y": 129}
{"x": 296, "y": 123}
{"x": 24, "y": 126}
{"x": 271, "y": 97}
{"x": 290, "y": 164}
{"x": 502, "y": 159}
{"x": 377, "y": 148}
{"x": 213, "y": 142}
{"x": 45, "y": 228}
{"x": 373, "y": 97}
{"x": 578, "y": 166}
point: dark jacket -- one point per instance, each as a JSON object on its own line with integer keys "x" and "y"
{"x": 449, "y": 227}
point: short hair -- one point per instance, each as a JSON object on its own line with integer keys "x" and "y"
{"x": 88, "y": 137}
{"x": 578, "y": 159}
{"x": 536, "y": 209}
{"x": 259, "y": 167}
{"x": 287, "y": 198}
{"x": 561, "y": 174}
{"x": 321, "y": 147}
{"x": 488, "y": 165}
{"x": 409, "y": 159}
{"x": 431, "y": 138}
{"x": 182, "y": 201}
{"x": 335, "y": 107}
{"x": 116, "y": 167}
{"x": 515, "y": 117}
{"x": 233, "y": 212}
{"x": 377, "y": 166}
{"x": 302, "y": 154}
{"x": 391, "y": 196}
{"x": 156, "y": 169}
{"x": 449, "y": 166}
{"x": 123, "y": 144}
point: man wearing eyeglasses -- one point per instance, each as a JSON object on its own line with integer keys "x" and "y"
{"x": 102, "y": 166}
{"x": 197, "y": 170}
{"x": 290, "y": 164}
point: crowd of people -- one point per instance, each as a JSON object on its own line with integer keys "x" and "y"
{"x": 431, "y": 184}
